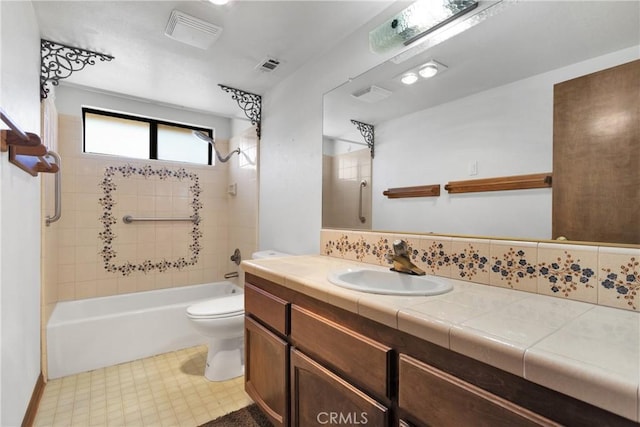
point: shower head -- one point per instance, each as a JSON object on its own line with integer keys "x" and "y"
{"x": 203, "y": 136}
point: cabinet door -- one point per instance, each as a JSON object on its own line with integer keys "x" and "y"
{"x": 320, "y": 397}
{"x": 428, "y": 396}
{"x": 266, "y": 373}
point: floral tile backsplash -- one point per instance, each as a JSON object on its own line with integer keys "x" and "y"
{"x": 597, "y": 274}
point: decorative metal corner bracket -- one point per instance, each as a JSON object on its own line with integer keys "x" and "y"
{"x": 250, "y": 103}
{"x": 367, "y": 132}
{"x": 59, "y": 61}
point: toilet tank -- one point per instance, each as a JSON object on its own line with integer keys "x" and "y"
{"x": 268, "y": 253}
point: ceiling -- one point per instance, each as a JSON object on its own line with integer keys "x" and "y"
{"x": 150, "y": 65}
{"x": 524, "y": 38}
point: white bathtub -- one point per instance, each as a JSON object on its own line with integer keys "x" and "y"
{"x": 93, "y": 333}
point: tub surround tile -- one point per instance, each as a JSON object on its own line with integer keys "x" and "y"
{"x": 619, "y": 278}
{"x": 514, "y": 265}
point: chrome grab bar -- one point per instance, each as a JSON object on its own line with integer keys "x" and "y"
{"x": 128, "y": 219}
{"x": 58, "y": 190}
{"x": 363, "y": 184}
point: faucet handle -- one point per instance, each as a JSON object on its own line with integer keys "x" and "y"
{"x": 400, "y": 247}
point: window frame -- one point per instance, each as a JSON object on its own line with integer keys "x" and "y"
{"x": 153, "y": 133}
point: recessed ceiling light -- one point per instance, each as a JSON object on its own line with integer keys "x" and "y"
{"x": 219, "y": 2}
{"x": 409, "y": 78}
{"x": 428, "y": 70}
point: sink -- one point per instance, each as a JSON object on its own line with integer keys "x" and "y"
{"x": 388, "y": 282}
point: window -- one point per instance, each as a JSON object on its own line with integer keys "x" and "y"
{"x": 143, "y": 138}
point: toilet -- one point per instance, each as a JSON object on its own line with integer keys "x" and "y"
{"x": 221, "y": 320}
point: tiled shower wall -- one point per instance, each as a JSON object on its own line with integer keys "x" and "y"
{"x": 342, "y": 175}
{"x": 603, "y": 275}
{"x": 100, "y": 256}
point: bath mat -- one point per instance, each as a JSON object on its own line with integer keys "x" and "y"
{"x": 251, "y": 416}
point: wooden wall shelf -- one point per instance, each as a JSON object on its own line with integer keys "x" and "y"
{"x": 516, "y": 182}
{"x": 31, "y": 159}
{"x": 417, "y": 191}
{"x": 26, "y": 150}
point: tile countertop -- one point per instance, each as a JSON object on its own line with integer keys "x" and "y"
{"x": 586, "y": 351}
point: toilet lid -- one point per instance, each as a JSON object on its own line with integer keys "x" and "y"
{"x": 218, "y": 307}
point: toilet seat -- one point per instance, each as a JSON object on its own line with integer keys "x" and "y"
{"x": 217, "y": 308}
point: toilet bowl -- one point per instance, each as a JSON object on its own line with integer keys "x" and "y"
{"x": 222, "y": 321}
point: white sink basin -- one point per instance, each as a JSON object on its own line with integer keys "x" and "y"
{"x": 388, "y": 282}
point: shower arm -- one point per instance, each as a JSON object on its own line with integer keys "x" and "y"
{"x": 212, "y": 142}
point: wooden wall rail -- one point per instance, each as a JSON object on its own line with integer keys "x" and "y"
{"x": 516, "y": 182}
{"x": 417, "y": 191}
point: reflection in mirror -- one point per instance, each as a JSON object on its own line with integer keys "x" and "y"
{"x": 346, "y": 184}
{"x": 489, "y": 115}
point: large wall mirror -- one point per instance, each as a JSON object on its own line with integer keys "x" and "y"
{"x": 488, "y": 112}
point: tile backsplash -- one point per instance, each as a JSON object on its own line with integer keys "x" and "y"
{"x": 596, "y": 274}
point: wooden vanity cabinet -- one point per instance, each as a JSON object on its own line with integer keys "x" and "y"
{"x": 319, "y": 396}
{"x": 436, "y": 398}
{"x": 307, "y": 361}
{"x": 364, "y": 361}
{"x": 267, "y": 353}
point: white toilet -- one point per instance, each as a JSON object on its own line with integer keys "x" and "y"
{"x": 222, "y": 321}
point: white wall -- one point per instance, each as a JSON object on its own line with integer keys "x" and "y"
{"x": 507, "y": 131}
{"x": 20, "y": 220}
{"x": 291, "y": 144}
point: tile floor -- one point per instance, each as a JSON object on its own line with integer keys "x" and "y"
{"x": 164, "y": 390}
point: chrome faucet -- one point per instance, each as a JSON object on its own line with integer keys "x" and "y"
{"x": 401, "y": 261}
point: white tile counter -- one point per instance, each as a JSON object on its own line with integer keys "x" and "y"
{"x": 583, "y": 350}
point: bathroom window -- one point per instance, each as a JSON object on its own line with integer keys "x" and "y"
{"x": 123, "y": 135}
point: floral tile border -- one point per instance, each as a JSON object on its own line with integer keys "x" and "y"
{"x": 107, "y": 201}
{"x": 600, "y": 275}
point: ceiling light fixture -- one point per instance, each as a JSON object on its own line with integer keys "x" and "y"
{"x": 428, "y": 70}
{"x": 219, "y": 2}
{"x": 416, "y": 21}
{"x": 409, "y": 78}
{"x": 425, "y": 71}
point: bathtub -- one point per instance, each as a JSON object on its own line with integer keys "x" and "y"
{"x": 93, "y": 333}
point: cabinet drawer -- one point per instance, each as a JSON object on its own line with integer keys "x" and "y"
{"x": 270, "y": 309}
{"x": 321, "y": 397}
{"x": 359, "y": 359}
{"x": 432, "y": 397}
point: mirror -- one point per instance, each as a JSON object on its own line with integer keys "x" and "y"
{"x": 487, "y": 113}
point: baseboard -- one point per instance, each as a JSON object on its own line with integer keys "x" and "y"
{"x": 32, "y": 409}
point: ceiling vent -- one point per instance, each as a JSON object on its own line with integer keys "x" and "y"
{"x": 191, "y": 30}
{"x": 268, "y": 65}
{"x": 372, "y": 94}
